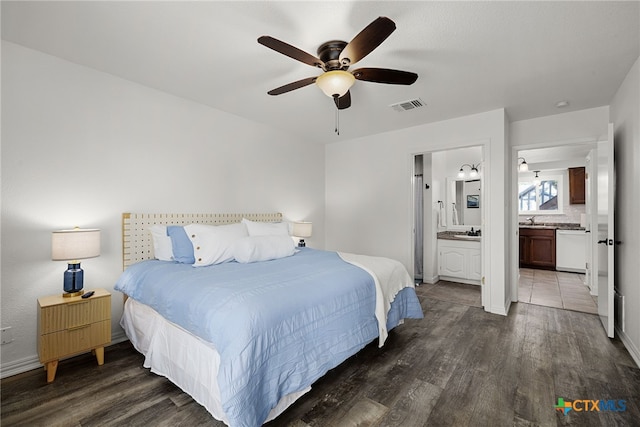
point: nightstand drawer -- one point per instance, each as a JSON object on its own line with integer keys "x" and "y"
{"x": 74, "y": 340}
{"x": 82, "y": 312}
{"x": 72, "y": 325}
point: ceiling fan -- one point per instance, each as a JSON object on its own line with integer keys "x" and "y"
{"x": 335, "y": 57}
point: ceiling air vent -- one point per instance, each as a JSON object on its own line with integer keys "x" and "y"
{"x": 412, "y": 104}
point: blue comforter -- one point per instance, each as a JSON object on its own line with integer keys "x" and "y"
{"x": 278, "y": 325}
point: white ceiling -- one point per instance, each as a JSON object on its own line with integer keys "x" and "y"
{"x": 471, "y": 57}
{"x": 559, "y": 157}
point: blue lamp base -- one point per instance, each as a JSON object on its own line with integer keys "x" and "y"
{"x": 73, "y": 280}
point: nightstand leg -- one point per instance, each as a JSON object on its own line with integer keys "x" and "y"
{"x": 51, "y": 368}
{"x": 100, "y": 355}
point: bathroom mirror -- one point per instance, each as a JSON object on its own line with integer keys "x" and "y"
{"x": 463, "y": 202}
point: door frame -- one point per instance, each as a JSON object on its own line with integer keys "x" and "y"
{"x": 485, "y": 288}
{"x": 514, "y": 234}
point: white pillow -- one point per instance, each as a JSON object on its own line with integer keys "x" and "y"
{"x": 263, "y": 248}
{"x": 266, "y": 228}
{"x": 162, "y": 249}
{"x": 213, "y": 244}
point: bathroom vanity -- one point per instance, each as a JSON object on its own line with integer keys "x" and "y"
{"x": 459, "y": 258}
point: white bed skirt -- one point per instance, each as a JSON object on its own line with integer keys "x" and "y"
{"x": 186, "y": 360}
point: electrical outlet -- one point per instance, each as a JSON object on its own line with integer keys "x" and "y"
{"x": 7, "y": 335}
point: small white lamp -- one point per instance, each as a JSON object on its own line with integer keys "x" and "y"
{"x": 72, "y": 246}
{"x": 302, "y": 230}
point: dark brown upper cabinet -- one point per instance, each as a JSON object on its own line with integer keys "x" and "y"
{"x": 577, "y": 186}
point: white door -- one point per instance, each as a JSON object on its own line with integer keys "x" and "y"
{"x": 606, "y": 237}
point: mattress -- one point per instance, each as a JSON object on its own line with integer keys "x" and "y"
{"x": 186, "y": 360}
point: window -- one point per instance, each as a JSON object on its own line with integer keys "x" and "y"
{"x": 545, "y": 198}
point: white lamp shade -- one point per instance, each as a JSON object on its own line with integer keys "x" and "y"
{"x": 302, "y": 229}
{"x": 71, "y": 245}
{"x": 335, "y": 83}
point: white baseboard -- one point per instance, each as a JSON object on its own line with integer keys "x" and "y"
{"x": 503, "y": 311}
{"x": 630, "y": 346}
{"x": 30, "y": 363}
{"x": 431, "y": 280}
{"x": 459, "y": 280}
{"x": 19, "y": 366}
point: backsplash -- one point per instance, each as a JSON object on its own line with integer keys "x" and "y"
{"x": 572, "y": 214}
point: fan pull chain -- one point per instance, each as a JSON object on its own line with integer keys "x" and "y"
{"x": 337, "y": 130}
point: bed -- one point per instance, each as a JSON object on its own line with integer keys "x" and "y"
{"x": 246, "y": 336}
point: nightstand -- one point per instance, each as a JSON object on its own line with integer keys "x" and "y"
{"x": 69, "y": 326}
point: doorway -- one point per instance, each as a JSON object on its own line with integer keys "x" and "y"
{"x": 441, "y": 181}
{"x": 553, "y": 199}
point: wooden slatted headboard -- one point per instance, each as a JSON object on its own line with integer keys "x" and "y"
{"x": 137, "y": 244}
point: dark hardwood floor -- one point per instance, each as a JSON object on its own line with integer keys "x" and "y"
{"x": 459, "y": 366}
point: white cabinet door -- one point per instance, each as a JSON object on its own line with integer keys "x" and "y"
{"x": 475, "y": 264}
{"x": 453, "y": 262}
{"x": 459, "y": 260}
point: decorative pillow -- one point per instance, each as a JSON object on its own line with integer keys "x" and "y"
{"x": 161, "y": 243}
{"x": 213, "y": 244}
{"x": 256, "y": 228}
{"x": 263, "y": 248}
{"x": 180, "y": 244}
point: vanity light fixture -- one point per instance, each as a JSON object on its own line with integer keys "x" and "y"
{"x": 473, "y": 172}
{"x": 522, "y": 166}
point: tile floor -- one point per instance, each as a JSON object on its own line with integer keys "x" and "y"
{"x": 541, "y": 287}
{"x": 556, "y": 289}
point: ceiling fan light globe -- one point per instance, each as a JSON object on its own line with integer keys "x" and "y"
{"x": 335, "y": 83}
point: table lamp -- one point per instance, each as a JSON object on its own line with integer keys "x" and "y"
{"x": 301, "y": 229}
{"x": 72, "y": 246}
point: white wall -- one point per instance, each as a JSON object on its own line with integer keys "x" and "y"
{"x": 625, "y": 116}
{"x": 80, "y": 147}
{"x": 368, "y": 191}
{"x": 560, "y": 128}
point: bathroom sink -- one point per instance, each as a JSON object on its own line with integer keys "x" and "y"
{"x": 464, "y": 236}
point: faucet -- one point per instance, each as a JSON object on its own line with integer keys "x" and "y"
{"x": 532, "y": 220}
{"x": 473, "y": 233}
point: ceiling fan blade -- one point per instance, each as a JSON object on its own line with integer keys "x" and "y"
{"x": 290, "y": 51}
{"x": 367, "y": 40}
{"x": 344, "y": 101}
{"x": 385, "y": 75}
{"x": 292, "y": 86}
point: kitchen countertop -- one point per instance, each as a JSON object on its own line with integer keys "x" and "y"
{"x": 552, "y": 225}
{"x": 462, "y": 236}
